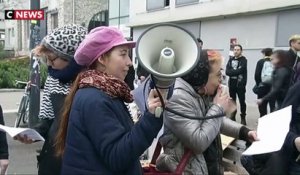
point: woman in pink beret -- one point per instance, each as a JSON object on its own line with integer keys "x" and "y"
{"x": 97, "y": 134}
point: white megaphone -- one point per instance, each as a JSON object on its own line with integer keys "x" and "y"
{"x": 167, "y": 51}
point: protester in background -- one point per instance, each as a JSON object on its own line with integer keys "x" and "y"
{"x": 58, "y": 49}
{"x": 236, "y": 69}
{"x": 141, "y": 75}
{"x": 195, "y": 95}
{"x": 293, "y": 56}
{"x": 280, "y": 79}
{"x": 96, "y": 126}
{"x": 3, "y": 147}
{"x": 263, "y": 79}
{"x": 200, "y": 43}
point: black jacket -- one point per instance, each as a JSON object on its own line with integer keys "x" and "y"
{"x": 280, "y": 84}
{"x": 294, "y": 65}
{"x": 3, "y": 141}
{"x": 292, "y": 56}
{"x": 47, "y": 161}
{"x": 236, "y": 69}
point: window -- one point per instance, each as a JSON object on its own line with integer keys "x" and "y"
{"x": 114, "y": 7}
{"x": 186, "y": 2}
{"x": 118, "y": 12}
{"x": 99, "y": 19}
{"x": 124, "y": 8}
{"x": 2, "y": 35}
{"x": 157, "y": 4}
{"x": 54, "y": 19}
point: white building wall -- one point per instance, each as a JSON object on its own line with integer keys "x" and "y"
{"x": 140, "y": 16}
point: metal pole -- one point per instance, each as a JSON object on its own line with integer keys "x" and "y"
{"x": 34, "y": 103}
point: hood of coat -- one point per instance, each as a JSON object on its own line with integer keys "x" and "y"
{"x": 183, "y": 85}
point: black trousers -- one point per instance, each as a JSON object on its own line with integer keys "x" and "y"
{"x": 263, "y": 107}
{"x": 240, "y": 92}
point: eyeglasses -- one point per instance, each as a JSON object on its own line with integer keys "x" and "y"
{"x": 50, "y": 60}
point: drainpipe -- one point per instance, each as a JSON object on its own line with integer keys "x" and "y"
{"x": 73, "y": 11}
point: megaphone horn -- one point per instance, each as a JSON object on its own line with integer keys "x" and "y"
{"x": 167, "y": 51}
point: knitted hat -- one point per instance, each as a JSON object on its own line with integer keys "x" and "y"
{"x": 64, "y": 41}
{"x": 99, "y": 41}
{"x": 198, "y": 76}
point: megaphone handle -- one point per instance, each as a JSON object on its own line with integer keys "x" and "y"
{"x": 159, "y": 94}
{"x": 158, "y": 110}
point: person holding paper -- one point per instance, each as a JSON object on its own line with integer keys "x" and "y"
{"x": 199, "y": 94}
{"x": 3, "y": 147}
{"x": 97, "y": 134}
{"x": 57, "y": 49}
{"x": 286, "y": 160}
{"x": 292, "y": 143}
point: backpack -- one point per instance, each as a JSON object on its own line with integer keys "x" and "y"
{"x": 266, "y": 72}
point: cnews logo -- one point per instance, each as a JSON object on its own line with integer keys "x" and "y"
{"x": 24, "y": 14}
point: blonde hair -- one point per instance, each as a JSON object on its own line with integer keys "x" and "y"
{"x": 294, "y": 38}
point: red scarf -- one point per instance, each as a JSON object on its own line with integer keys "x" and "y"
{"x": 112, "y": 86}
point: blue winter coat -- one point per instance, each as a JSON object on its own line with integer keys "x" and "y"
{"x": 101, "y": 136}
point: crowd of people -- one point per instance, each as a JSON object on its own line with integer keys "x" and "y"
{"x": 88, "y": 129}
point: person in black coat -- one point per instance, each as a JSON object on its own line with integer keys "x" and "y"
{"x": 280, "y": 79}
{"x": 3, "y": 147}
{"x": 291, "y": 148}
{"x": 264, "y": 88}
{"x": 236, "y": 69}
{"x": 294, "y": 60}
{"x": 57, "y": 49}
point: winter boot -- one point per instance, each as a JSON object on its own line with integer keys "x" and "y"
{"x": 243, "y": 119}
{"x": 232, "y": 116}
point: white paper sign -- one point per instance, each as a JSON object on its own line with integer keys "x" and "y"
{"x": 31, "y": 133}
{"x": 271, "y": 132}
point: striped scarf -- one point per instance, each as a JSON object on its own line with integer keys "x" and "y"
{"x": 52, "y": 86}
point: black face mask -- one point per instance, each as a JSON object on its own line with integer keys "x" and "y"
{"x": 68, "y": 74}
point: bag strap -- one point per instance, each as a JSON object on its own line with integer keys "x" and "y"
{"x": 156, "y": 153}
{"x": 182, "y": 164}
{"x": 184, "y": 160}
